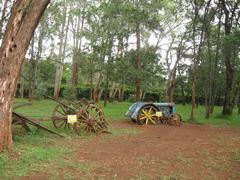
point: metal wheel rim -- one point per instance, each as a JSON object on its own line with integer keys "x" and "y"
{"x": 147, "y": 115}
{"x": 59, "y": 117}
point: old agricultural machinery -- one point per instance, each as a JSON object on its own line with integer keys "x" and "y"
{"x": 154, "y": 113}
{"x": 80, "y": 115}
{"x": 83, "y": 115}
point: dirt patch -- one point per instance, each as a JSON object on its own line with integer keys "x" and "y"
{"x": 186, "y": 152}
{"x": 158, "y": 152}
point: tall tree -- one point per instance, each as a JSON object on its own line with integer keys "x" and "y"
{"x": 197, "y": 47}
{"x": 77, "y": 27}
{"x": 231, "y": 19}
{"x": 63, "y": 34}
{"x": 24, "y": 18}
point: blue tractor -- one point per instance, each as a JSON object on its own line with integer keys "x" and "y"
{"x": 152, "y": 113}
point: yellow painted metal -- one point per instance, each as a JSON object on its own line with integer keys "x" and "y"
{"x": 146, "y": 115}
{"x": 159, "y": 114}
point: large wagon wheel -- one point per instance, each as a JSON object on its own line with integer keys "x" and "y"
{"x": 59, "y": 116}
{"x": 91, "y": 119}
{"x": 147, "y": 114}
{"x": 175, "y": 119}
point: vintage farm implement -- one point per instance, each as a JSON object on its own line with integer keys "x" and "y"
{"x": 18, "y": 119}
{"x": 83, "y": 115}
{"x": 154, "y": 113}
{"x": 80, "y": 115}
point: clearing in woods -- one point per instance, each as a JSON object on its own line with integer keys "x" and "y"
{"x": 151, "y": 152}
{"x": 130, "y": 152}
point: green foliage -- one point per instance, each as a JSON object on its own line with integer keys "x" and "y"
{"x": 3, "y": 161}
{"x": 69, "y": 93}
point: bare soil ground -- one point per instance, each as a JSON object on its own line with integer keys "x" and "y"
{"x": 161, "y": 152}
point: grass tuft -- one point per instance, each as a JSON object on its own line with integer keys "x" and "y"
{"x": 236, "y": 156}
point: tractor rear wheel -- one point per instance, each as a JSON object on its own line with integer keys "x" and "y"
{"x": 147, "y": 115}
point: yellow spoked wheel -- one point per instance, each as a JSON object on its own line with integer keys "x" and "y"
{"x": 147, "y": 115}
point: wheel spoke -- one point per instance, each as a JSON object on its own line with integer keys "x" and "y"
{"x": 146, "y": 121}
{"x": 150, "y": 110}
{"x": 64, "y": 110}
{"x": 60, "y": 112}
{"x": 145, "y": 113}
{"x": 152, "y": 120}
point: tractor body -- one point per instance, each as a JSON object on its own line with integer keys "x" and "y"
{"x": 145, "y": 112}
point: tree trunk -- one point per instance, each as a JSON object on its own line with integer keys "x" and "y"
{"x": 106, "y": 89}
{"x": 75, "y": 72}
{"x": 58, "y": 79}
{"x": 229, "y": 62}
{"x": 114, "y": 93}
{"x": 91, "y": 84}
{"x": 24, "y": 18}
{"x": 138, "y": 63}
{"x": 182, "y": 89}
{"x": 216, "y": 64}
{"x": 31, "y": 72}
{"x": 96, "y": 89}
{"x": 77, "y": 51}
{"x": 62, "y": 49}
{"x": 21, "y": 84}
{"x": 208, "y": 97}
{"x": 196, "y": 55}
{"x": 239, "y": 101}
{"x": 169, "y": 71}
{"x": 171, "y": 88}
{"x": 235, "y": 96}
{"x": 143, "y": 95}
{"x": 121, "y": 92}
{"x": 194, "y": 81}
{"x": 100, "y": 95}
{"x": 172, "y": 77}
{"x": 111, "y": 92}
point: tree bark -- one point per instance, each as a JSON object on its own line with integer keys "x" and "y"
{"x": 75, "y": 72}
{"x": 216, "y": 64}
{"x": 121, "y": 92}
{"x": 31, "y": 72}
{"x": 96, "y": 89}
{"x": 24, "y": 18}
{"x": 21, "y": 90}
{"x": 208, "y": 97}
{"x": 138, "y": 63}
{"x": 100, "y": 94}
{"x": 111, "y": 92}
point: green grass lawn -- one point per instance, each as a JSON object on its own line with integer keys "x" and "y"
{"x": 116, "y": 111}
